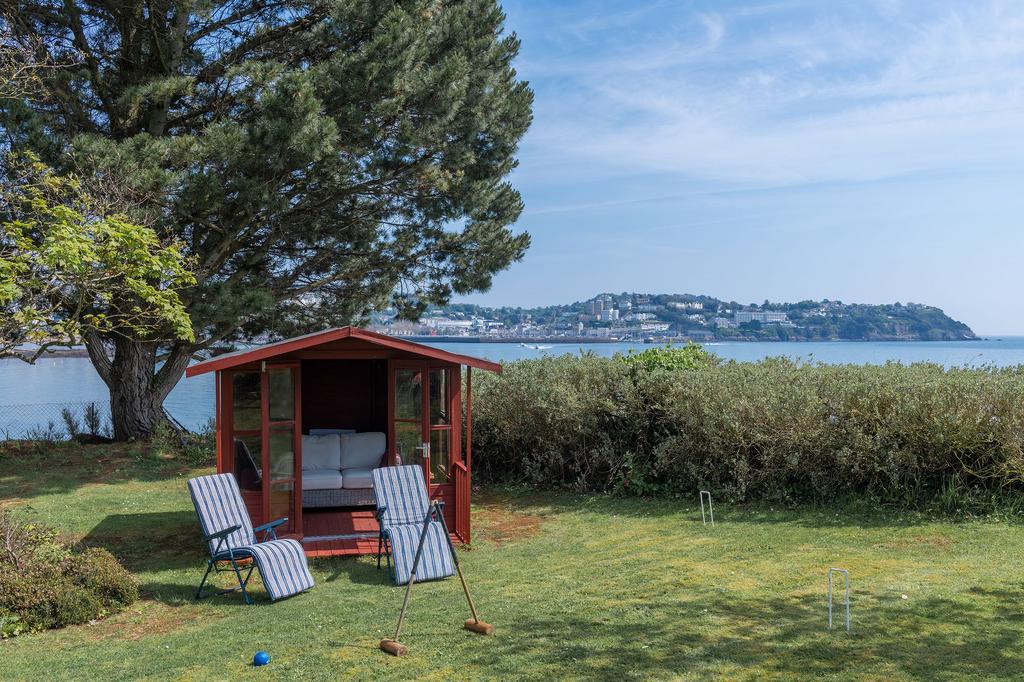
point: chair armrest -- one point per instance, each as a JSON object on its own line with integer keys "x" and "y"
{"x": 437, "y": 507}
{"x": 221, "y": 534}
{"x": 268, "y": 528}
{"x": 272, "y": 524}
{"x": 380, "y": 513}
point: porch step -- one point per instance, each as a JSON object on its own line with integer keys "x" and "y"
{"x": 348, "y": 536}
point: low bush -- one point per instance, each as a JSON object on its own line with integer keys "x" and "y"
{"x": 690, "y": 356}
{"x": 196, "y": 448}
{"x": 46, "y": 584}
{"x": 773, "y": 430}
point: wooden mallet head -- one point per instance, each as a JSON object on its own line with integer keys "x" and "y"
{"x": 394, "y": 648}
{"x": 479, "y": 626}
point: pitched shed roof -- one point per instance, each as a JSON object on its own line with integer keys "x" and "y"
{"x": 298, "y": 343}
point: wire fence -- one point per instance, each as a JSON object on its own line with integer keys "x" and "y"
{"x": 55, "y": 421}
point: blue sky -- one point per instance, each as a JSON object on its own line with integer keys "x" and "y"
{"x": 864, "y": 151}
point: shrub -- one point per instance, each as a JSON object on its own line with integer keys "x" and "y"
{"x": 775, "y": 429}
{"x": 93, "y": 418}
{"x": 558, "y": 421}
{"x": 200, "y": 447}
{"x": 197, "y": 448}
{"x": 71, "y": 423}
{"x": 91, "y": 428}
{"x": 690, "y": 356}
{"x": 45, "y": 584}
{"x": 99, "y": 572}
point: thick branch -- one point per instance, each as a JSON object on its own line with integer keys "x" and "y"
{"x": 96, "y": 348}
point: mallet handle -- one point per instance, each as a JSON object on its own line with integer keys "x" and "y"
{"x": 465, "y": 588}
{"x": 412, "y": 574}
{"x": 458, "y": 568}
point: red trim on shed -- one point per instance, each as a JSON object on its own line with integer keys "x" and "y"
{"x": 299, "y": 343}
{"x": 343, "y": 368}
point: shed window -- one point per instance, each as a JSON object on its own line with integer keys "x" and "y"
{"x": 245, "y": 391}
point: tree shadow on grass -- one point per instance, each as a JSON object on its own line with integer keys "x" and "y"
{"x": 171, "y": 541}
{"x": 183, "y": 594}
{"x": 159, "y": 542}
{"x": 176, "y": 594}
{"x": 150, "y": 541}
{"x": 718, "y": 634}
{"x": 29, "y": 470}
{"x": 356, "y": 569}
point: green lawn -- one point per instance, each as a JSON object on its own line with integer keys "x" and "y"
{"x": 578, "y": 587}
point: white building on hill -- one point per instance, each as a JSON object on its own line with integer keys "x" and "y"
{"x": 764, "y": 317}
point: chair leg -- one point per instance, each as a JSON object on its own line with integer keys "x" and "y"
{"x": 243, "y": 583}
{"x": 380, "y": 545}
{"x": 202, "y": 583}
{"x": 211, "y": 567}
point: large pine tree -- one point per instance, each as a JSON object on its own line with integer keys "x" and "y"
{"x": 317, "y": 158}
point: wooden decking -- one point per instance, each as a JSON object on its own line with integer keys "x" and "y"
{"x": 334, "y": 532}
{"x": 344, "y": 532}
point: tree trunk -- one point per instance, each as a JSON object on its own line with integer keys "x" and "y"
{"x": 133, "y": 408}
{"x": 137, "y": 387}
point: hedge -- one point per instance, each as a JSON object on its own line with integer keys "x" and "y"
{"x": 771, "y": 430}
{"x": 46, "y": 584}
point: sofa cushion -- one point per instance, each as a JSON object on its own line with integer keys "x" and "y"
{"x": 322, "y": 479}
{"x": 327, "y": 432}
{"x": 362, "y": 450}
{"x": 357, "y": 478}
{"x": 321, "y": 452}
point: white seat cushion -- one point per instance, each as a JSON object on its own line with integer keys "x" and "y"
{"x": 362, "y": 450}
{"x": 322, "y": 479}
{"x": 357, "y": 478}
{"x": 321, "y": 452}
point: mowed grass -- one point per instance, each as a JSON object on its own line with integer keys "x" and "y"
{"x": 579, "y": 587}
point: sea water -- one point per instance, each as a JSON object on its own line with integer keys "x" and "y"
{"x": 29, "y": 391}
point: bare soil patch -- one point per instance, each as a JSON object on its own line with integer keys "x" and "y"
{"x": 495, "y": 520}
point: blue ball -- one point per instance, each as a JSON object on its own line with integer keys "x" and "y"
{"x": 261, "y": 658}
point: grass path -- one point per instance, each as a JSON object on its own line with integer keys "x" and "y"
{"x": 579, "y": 587}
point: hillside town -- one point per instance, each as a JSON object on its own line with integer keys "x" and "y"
{"x": 666, "y": 318}
{"x": 601, "y": 318}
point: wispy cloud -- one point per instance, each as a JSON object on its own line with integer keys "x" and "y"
{"x": 781, "y": 93}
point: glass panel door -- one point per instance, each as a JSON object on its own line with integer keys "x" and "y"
{"x": 245, "y": 401}
{"x": 246, "y": 434}
{"x": 421, "y": 418}
{"x": 440, "y": 424}
{"x": 281, "y": 443}
{"x": 408, "y": 415}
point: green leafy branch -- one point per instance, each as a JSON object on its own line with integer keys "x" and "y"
{"x": 68, "y": 268}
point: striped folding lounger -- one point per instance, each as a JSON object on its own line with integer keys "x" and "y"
{"x": 402, "y": 508}
{"x": 230, "y": 538}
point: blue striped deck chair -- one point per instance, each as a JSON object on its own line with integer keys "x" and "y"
{"x": 402, "y": 509}
{"x": 231, "y": 539}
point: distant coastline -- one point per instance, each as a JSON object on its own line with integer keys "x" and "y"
{"x": 73, "y": 352}
{"x": 672, "y": 318}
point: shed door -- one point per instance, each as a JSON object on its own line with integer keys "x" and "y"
{"x": 424, "y": 426}
{"x": 281, "y": 438}
{"x": 263, "y": 428}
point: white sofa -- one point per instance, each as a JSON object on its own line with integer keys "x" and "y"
{"x": 337, "y": 466}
